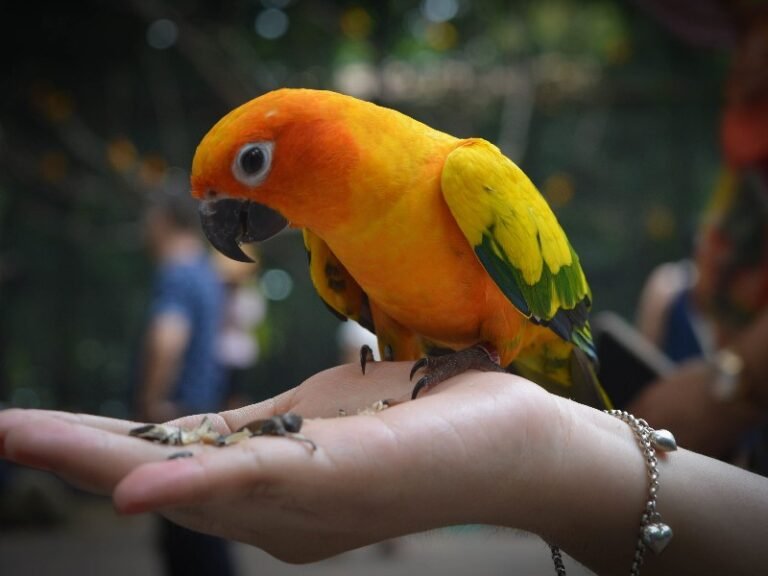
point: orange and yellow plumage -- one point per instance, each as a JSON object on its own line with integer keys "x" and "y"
{"x": 432, "y": 241}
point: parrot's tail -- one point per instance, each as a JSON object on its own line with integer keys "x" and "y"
{"x": 564, "y": 370}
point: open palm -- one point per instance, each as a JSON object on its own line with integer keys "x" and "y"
{"x": 373, "y": 476}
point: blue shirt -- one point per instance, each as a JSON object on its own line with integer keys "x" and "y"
{"x": 680, "y": 341}
{"x": 192, "y": 290}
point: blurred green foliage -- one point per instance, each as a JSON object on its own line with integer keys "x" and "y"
{"x": 104, "y": 102}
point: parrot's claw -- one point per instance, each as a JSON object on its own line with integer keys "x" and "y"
{"x": 418, "y": 365}
{"x": 420, "y": 385}
{"x": 366, "y": 355}
{"x": 441, "y": 368}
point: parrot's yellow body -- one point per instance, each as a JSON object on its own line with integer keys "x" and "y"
{"x": 431, "y": 241}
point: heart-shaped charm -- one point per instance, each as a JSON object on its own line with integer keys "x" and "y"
{"x": 663, "y": 440}
{"x": 656, "y": 536}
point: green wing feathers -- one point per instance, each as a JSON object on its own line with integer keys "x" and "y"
{"x": 518, "y": 240}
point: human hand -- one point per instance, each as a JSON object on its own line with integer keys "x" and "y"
{"x": 463, "y": 453}
{"x": 683, "y": 403}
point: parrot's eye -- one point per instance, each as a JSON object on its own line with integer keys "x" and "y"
{"x": 253, "y": 162}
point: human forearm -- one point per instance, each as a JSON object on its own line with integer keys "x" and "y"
{"x": 165, "y": 342}
{"x": 720, "y": 516}
{"x": 750, "y": 346}
{"x": 683, "y": 402}
{"x": 717, "y": 512}
{"x": 153, "y": 403}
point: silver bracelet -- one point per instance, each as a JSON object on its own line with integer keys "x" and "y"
{"x": 654, "y": 533}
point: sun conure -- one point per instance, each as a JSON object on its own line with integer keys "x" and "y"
{"x": 440, "y": 245}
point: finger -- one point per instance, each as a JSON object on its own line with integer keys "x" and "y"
{"x": 214, "y": 475}
{"x": 14, "y": 417}
{"x": 102, "y": 422}
{"x": 218, "y": 422}
{"x": 221, "y": 473}
{"x": 89, "y": 457}
{"x": 236, "y": 419}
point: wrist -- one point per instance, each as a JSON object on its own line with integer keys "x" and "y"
{"x": 540, "y": 467}
{"x": 591, "y": 499}
{"x": 510, "y": 454}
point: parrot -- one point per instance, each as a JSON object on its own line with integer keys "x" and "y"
{"x": 440, "y": 245}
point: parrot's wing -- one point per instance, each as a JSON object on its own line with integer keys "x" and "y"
{"x": 336, "y": 287}
{"x": 518, "y": 240}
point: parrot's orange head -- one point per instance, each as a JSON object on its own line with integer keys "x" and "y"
{"x": 270, "y": 162}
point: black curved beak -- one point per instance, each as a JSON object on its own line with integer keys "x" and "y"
{"x": 229, "y": 222}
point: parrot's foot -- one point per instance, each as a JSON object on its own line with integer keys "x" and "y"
{"x": 287, "y": 425}
{"x": 439, "y": 368}
{"x": 366, "y": 355}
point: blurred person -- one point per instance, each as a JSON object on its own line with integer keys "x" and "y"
{"x": 717, "y": 401}
{"x": 179, "y": 370}
{"x": 715, "y": 324}
{"x": 668, "y": 316}
{"x": 691, "y": 308}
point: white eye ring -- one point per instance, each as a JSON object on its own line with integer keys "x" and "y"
{"x": 253, "y": 162}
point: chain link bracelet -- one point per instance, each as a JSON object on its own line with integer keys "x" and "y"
{"x": 654, "y": 533}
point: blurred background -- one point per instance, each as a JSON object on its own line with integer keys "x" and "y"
{"x": 614, "y": 118}
{"x": 611, "y": 107}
